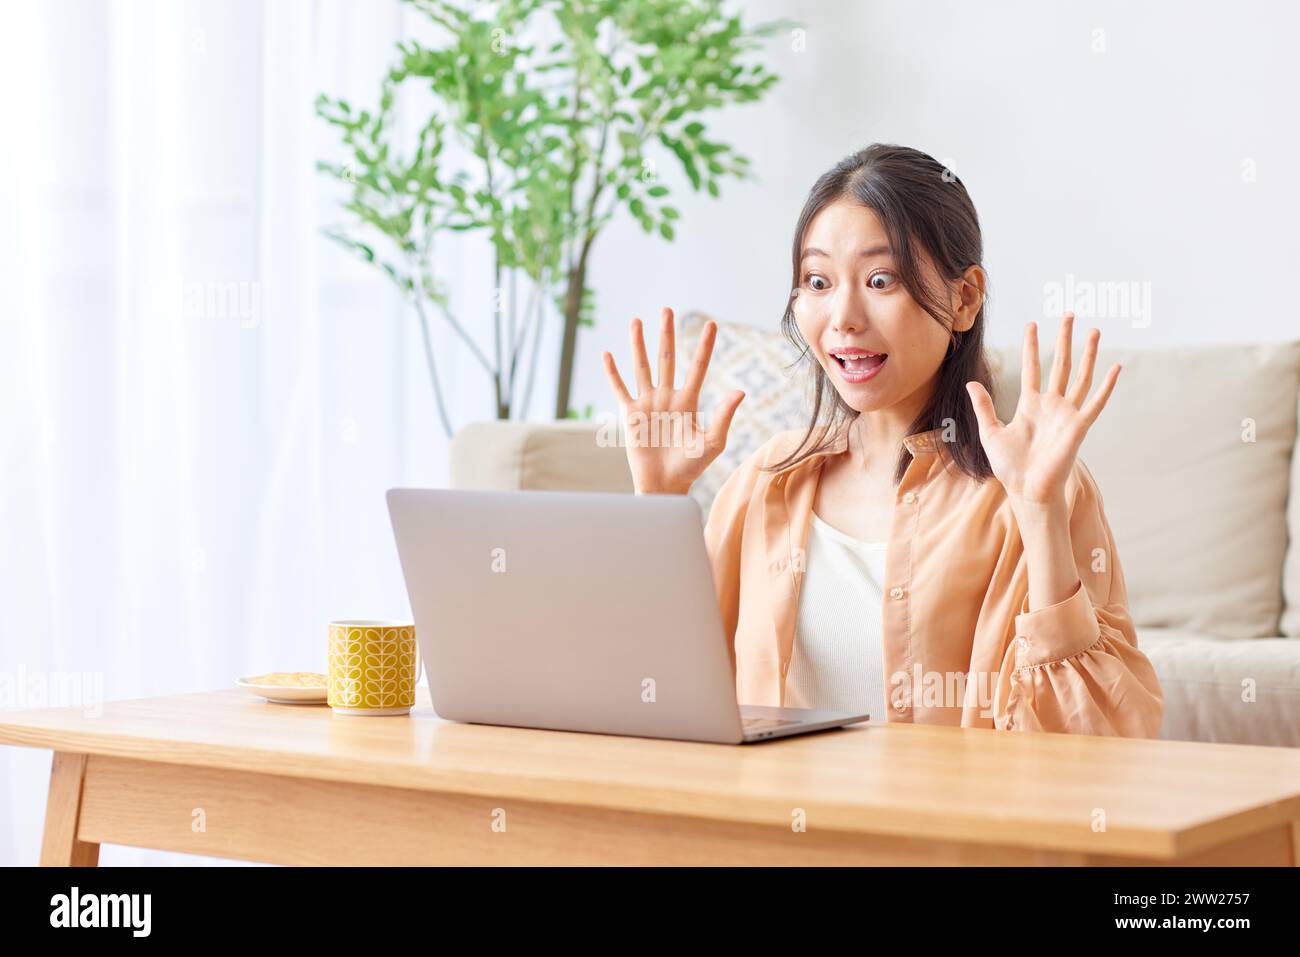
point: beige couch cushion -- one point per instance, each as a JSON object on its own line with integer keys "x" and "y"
{"x": 1291, "y": 568}
{"x": 1197, "y": 506}
{"x": 1198, "y": 513}
{"x": 758, "y": 362}
{"x": 553, "y": 456}
{"x": 1236, "y": 692}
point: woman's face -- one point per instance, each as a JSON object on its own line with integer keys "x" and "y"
{"x": 850, "y": 302}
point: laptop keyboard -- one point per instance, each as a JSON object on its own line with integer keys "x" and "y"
{"x": 765, "y": 724}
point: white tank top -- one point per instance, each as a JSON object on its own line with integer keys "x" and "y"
{"x": 838, "y": 660}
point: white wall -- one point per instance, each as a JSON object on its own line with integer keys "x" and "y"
{"x": 1117, "y": 166}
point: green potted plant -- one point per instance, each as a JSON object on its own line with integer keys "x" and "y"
{"x": 560, "y": 135}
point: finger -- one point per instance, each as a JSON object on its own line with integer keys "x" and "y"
{"x": 700, "y": 363}
{"x": 1029, "y": 359}
{"x": 985, "y": 414}
{"x": 639, "y": 359}
{"x": 1060, "y": 376}
{"x": 616, "y": 381}
{"x": 722, "y": 418}
{"x": 1083, "y": 378}
{"x": 667, "y": 350}
{"x": 1098, "y": 400}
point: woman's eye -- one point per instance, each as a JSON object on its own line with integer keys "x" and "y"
{"x": 815, "y": 278}
{"x": 882, "y": 280}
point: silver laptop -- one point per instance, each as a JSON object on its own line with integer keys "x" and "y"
{"x": 576, "y": 611}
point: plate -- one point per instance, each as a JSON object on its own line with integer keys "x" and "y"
{"x": 285, "y": 694}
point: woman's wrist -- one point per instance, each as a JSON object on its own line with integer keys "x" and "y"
{"x": 661, "y": 490}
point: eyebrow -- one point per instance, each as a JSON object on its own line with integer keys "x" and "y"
{"x": 873, "y": 251}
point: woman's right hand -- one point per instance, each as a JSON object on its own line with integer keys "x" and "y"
{"x": 666, "y": 448}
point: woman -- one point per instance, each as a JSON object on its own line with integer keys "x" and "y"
{"x": 908, "y": 554}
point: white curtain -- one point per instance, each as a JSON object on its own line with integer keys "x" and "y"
{"x": 203, "y": 400}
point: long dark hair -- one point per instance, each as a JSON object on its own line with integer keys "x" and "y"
{"x": 924, "y": 208}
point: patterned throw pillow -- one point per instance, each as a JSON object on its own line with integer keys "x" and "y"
{"x": 762, "y": 364}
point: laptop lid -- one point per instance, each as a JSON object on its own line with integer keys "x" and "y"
{"x": 579, "y": 611}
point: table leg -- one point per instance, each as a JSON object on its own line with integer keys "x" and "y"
{"x": 61, "y": 846}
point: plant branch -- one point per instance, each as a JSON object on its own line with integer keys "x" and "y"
{"x": 433, "y": 368}
{"x": 530, "y": 314}
{"x": 425, "y": 288}
{"x": 532, "y": 362}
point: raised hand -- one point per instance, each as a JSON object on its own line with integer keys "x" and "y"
{"x": 666, "y": 448}
{"x": 1033, "y": 454}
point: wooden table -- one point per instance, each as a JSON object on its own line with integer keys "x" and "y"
{"x": 226, "y": 774}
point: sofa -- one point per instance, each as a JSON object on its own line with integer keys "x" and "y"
{"x": 1194, "y": 455}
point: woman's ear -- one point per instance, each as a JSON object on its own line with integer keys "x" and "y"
{"x": 968, "y": 296}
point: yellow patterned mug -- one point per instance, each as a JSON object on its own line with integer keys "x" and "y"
{"x": 373, "y": 667}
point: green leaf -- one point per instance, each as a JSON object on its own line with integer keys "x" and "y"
{"x": 684, "y": 155}
{"x": 529, "y": 136}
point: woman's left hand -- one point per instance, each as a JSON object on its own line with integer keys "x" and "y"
{"x": 1033, "y": 454}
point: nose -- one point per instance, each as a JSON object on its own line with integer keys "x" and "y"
{"x": 848, "y": 313}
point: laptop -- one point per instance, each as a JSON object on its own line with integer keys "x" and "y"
{"x": 576, "y": 611}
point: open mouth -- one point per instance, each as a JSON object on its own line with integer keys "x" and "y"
{"x": 858, "y": 365}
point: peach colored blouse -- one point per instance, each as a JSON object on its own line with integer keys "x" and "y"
{"x": 960, "y": 645}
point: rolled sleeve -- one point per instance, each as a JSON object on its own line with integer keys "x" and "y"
{"x": 1057, "y": 631}
{"x": 1075, "y": 666}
